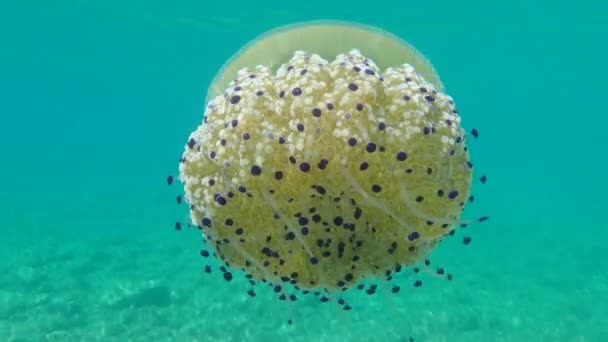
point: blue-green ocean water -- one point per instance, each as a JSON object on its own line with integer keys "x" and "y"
{"x": 97, "y": 99}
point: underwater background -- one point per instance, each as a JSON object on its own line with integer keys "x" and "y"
{"x": 97, "y": 100}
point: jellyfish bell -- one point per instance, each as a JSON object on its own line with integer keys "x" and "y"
{"x": 329, "y": 154}
{"x": 327, "y": 39}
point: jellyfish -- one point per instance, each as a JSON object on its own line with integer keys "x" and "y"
{"x": 329, "y": 153}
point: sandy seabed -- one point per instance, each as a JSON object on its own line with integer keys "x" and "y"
{"x": 134, "y": 278}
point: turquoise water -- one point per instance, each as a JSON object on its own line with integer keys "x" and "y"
{"x": 98, "y": 98}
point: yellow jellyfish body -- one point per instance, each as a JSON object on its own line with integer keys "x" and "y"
{"x": 328, "y": 154}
